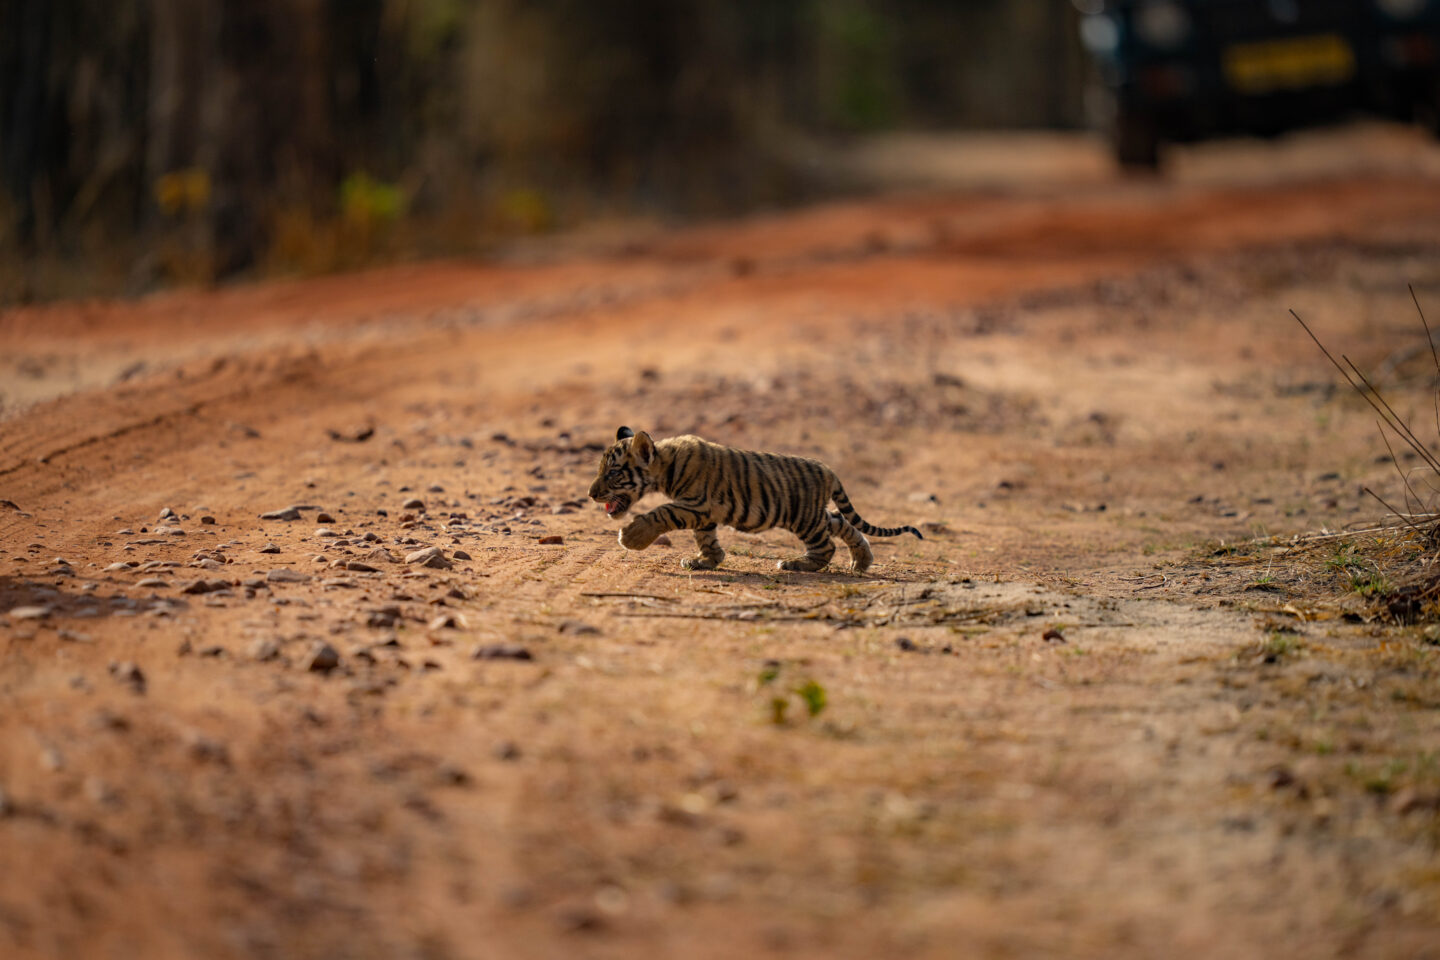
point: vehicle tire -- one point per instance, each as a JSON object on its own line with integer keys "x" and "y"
{"x": 1136, "y": 142}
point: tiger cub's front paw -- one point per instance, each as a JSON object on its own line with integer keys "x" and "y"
{"x": 638, "y": 534}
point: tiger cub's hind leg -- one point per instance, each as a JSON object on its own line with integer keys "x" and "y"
{"x": 710, "y": 555}
{"x": 861, "y": 556}
{"x": 819, "y": 548}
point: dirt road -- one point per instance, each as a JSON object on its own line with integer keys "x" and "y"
{"x": 228, "y": 736}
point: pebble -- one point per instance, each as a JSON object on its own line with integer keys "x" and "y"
{"x": 322, "y": 659}
{"x": 205, "y": 749}
{"x": 460, "y": 554}
{"x": 446, "y": 621}
{"x": 270, "y": 548}
{"x": 264, "y": 650}
{"x": 324, "y": 518}
{"x": 128, "y": 672}
{"x": 579, "y": 628}
{"x": 556, "y": 539}
{"x": 431, "y": 557}
{"x": 166, "y": 513}
{"x": 208, "y": 564}
{"x": 414, "y": 503}
{"x": 906, "y": 644}
{"x": 383, "y": 618}
{"x": 380, "y": 555}
{"x": 370, "y": 536}
{"x": 30, "y": 613}
{"x": 207, "y": 520}
{"x": 360, "y": 567}
{"x": 153, "y": 582}
{"x": 289, "y": 513}
{"x": 286, "y": 575}
{"x": 168, "y": 531}
{"x": 500, "y": 651}
{"x": 325, "y": 532}
{"x": 206, "y": 586}
{"x": 436, "y": 488}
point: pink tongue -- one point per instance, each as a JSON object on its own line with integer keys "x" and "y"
{"x": 610, "y": 507}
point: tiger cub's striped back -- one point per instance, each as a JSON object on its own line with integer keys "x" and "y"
{"x": 712, "y": 485}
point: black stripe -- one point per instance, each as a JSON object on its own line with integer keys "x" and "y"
{"x": 744, "y": 465}
{"x": 762, "y": 489}
{"x": 669, "y": 487}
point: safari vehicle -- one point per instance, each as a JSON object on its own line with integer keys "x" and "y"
{"x": 1185, "y": 70}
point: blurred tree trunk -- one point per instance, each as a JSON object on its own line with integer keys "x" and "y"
{"x": 28, "y": 101}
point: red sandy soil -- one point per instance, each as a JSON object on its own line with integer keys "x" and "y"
{"x": 1077, "y": 393}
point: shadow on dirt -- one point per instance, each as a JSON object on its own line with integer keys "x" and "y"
{"x": 43, "y": 602}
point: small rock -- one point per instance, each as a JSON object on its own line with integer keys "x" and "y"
{"x": 460, "y": 555}
{"x": 449, "y": 775}
{"x": 414, "y": 503}
{"x": 324, "y": 518}
{"x": 446, "y": 621}
{"x": 500, "y": 651}
{"x": 906, "y": 644}
{"x": 555, "y": 539}
{"x": 30, "y": 613}
{"x": 152, "y": 582}
{"x": 383, "y": 618}
{"x": 120, "y": 567}
{"x": 1280, "y": 777}
{"x": 101, "y": 793}
{"x": 359, "y": 567}
{"x": 507, "y": 750}
{"x": 263, "y": 650}
{"x": 431, "y": 557}
{"x": 52, "y": 760}
{"x": 662, "y": 541}
{"x": 167, "y": 514}
{"x": 370, "y": 536}
{"x": 578, "y": 628}
{"x": 322, "y": 659}
{"x": 1053, "y": 636}
{"x": 128, "y": 672}
{"x": 286, "y": 575}
{"x": 208, "y": 564}
{"x": 205, "y": 749}
{"x": 206, "y": 586}
{"x": 270, "y": 548}
{"x": 352, "y": 435}
{"x": 325, "y": 533}
{"x": 207, "y": 520}
{"x": 289, "y": 513}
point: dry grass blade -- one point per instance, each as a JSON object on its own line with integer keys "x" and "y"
{"x": 1387, "y": 568}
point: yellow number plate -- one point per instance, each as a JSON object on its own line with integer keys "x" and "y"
{"x": 1292, "y": 64}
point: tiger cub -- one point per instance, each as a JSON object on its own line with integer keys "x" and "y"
{"x": 711, "y": 484}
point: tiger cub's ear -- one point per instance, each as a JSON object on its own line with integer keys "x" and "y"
{"x": 624, "y": 433}
{"x": 643, "y": 448}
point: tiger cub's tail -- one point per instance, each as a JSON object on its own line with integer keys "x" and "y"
{"x": 847, "y": 510}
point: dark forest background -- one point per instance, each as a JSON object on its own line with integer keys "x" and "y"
{"x": 145, "y": 142}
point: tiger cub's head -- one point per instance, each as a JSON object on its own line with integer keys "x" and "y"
{"x": 624, "y": 475}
